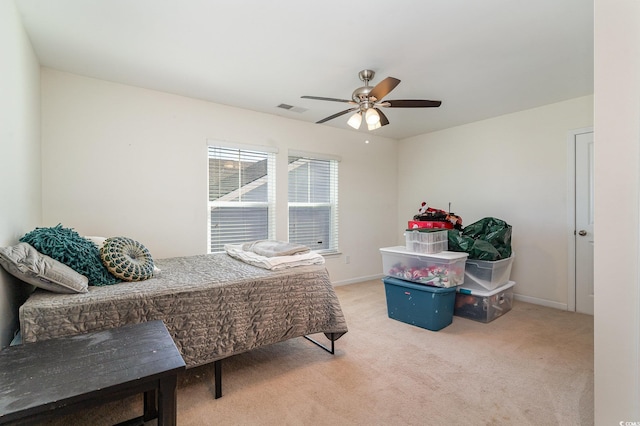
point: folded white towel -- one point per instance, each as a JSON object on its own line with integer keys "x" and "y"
{"x": 274, "y": 262}
{"x": 272, "y": 248}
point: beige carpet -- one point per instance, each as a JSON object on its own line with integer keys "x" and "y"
{"x": 533, "y": 366}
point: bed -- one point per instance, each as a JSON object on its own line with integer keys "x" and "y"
{"x": 214, "y": 306}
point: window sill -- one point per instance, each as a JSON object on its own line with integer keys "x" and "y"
{"x": 332, "y": 254}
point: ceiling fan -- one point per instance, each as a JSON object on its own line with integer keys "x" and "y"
{"x": 368, "y": 100}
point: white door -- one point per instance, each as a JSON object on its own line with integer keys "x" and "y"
{"x": 584, "y": 222}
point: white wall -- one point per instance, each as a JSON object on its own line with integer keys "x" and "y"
{"x": 120, "y": 160}
{"x": 617, "y": 188}
{"x": 20, "y": 190}
{"x": 512, "y": 167}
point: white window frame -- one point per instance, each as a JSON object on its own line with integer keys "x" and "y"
{"x": 225, "y": 201}
{"x": 334, "y": 161}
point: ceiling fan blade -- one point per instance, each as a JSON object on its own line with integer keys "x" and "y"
{"x": 331, "y": 117}
{"x": 384, "y": 87}
{"x": 412, "y": 103}
{"x": 383, "y": 118}
{"x": 319, "y": 98}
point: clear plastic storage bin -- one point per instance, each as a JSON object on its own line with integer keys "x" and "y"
{"x": 444, "y": 269}
{"x": 489, "y": 274}
{"x": 483, "y": 305}
{"x": 426, "y": 240}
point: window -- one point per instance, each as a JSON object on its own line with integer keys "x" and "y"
{"x": 313, "y": 202}
{"x": 241, "y": 196}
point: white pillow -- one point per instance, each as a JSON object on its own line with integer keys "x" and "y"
{"x": 99, "y": 241}
{"x": 29, "y": 265}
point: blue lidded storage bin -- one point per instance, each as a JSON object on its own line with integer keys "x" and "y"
{"x": 420, "y": 305}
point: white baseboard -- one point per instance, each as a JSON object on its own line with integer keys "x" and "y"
{"x": 358, "y": 280}
{"x": 528, "y": 299}
{"x": 543, "y": 302}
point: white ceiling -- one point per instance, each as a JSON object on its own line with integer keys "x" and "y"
{"x": 480, "y": 58}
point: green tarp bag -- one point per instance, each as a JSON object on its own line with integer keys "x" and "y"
{"x": 486, "y": 239}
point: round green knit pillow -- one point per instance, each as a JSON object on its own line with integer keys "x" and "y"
{"x": 127, "y": 259}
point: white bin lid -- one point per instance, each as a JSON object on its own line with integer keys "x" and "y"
{"x": 445, "y": 255}
{"x": 484, "y": 292}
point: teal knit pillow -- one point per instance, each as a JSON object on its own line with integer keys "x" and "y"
{"x": 66, "y": 246}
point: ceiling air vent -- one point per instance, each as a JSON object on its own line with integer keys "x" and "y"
{"x": 292, "y": 108}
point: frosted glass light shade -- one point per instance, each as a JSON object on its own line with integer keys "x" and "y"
{"x": 374, "y": 126}
{"x": 372, "y": 116}
{"x": 355, "y": 120}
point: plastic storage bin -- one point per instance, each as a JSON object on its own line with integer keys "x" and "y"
{"x": 426, "y": 240}
{"x": 483, "y": 305}
{"x": 489, "y": 274}
{"x": 444, "y": 269}
{"x": 420, "y": 305}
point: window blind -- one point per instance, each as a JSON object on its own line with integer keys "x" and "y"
{"x": 241, "y": 196}
{"x": 313, "y": 202}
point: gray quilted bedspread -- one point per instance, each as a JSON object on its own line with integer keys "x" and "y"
{"x": 213, "y": 305}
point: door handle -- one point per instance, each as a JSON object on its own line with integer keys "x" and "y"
{"x": 582, "y": 232}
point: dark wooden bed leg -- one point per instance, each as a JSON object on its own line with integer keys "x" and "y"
{"x": 217, "y": 368}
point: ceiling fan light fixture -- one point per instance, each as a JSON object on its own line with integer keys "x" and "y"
{"x": 355, "y": 120}
{"x": 372, "y": 116}
{"x": 367, "y": 100}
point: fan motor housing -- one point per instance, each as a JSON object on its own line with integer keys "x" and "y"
{"x": 361, "y": 94}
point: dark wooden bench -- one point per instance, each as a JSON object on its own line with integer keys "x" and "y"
{"x": 57, "y": 376}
